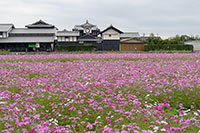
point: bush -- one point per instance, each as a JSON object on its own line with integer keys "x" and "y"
{"x": 168, "y": 47}
{"x": 76, "y": 48}
{"x": 4, "y": 51}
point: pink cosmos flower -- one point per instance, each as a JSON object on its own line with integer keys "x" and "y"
{"x": 90, "y": 126}
{"x": 37, "y": 116}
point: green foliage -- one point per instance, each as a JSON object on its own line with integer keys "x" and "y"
{"x": 33, "y": 75}
{"x": 4, "y": 51}
{"x": 76, "y": 48}
{"x": 154, "y": 47}
{"x": 153, "y": 40}
{"x": 171, "y": 44}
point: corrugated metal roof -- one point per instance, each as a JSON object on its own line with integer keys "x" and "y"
{"x": 5, "y": 27}
{"x": 32, "y": 31}
{"x": 132, "y": 40}
{"x": 67, "y": 33}
{"x": 129, "y": 34}
{"x": 26, "y": 39}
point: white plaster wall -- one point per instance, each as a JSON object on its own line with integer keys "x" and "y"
{"x": 4, "y": 34}
{"x": 59, "y": 39}
{"x": 63, "y": 39}
{"x": 67, "y": 39}
{"x": 114, "y": 35}
{"x": 75, "y": 39}
{"x": 196, "y": 46}
{"x": 70, "y": 39}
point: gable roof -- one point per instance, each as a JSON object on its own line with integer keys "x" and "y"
{"x": 40, "y": 24}
{"x": 111, "y": 27}
{"x": 6, "y": 27}
{"x": 86, "y": 25}
{"x": 88, "y": 37}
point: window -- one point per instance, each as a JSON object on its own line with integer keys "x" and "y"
{"x": 110, "y": 35}
{"x": 66, "y": 39}
{"x": 1, "y": 34}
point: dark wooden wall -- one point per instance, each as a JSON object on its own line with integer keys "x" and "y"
{"x": 131, "y": 47}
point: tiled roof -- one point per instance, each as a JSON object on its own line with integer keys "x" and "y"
{"x": 88, "y": 37}
{"x": 111, "y": 27}
{"x": 27, "y": 39}
{"x": 67, "y": 33}
{"x": 40, "y": 24}
{"x": 32, "y": 31}
{"x": 5, "y": 27}
{"x": 85, "y": 26}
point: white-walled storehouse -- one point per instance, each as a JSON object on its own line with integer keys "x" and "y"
{"x": 114, "y": 39}
{"x": 111, "y": 39}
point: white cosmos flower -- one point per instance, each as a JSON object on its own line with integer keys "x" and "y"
{"x": 98, "y": 117}
{"x": 163, "y": 129}
{"x": 164, "y": 122}
{"x": 156, "y": 128}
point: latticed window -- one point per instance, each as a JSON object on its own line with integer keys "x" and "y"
{"x": 1, "y": 34}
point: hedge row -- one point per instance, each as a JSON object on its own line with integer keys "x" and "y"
{"x": 168, "y": 47}
{"x": 75, "y": 48}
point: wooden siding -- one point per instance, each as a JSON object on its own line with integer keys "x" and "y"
{"x": 131, "y": 47}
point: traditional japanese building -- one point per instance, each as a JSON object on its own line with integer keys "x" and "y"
{"x": 65, "y": 37}
{"x": 39, "y": 36}
{"x": 111, "y": 39}
{"x": 87, "y": 28}
{"x": 85, "y": 34}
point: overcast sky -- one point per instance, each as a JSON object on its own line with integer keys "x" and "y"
{"x": 163, "y": 17}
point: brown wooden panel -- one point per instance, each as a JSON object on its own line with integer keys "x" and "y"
{"x": 132, "y": 47}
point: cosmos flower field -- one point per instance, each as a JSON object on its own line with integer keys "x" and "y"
{"x": 144, "y": 93}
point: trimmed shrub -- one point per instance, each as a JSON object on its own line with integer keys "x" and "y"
{"x": 168, "y": 47}
{"x": 76, "y": 48}
{"x": 2, "y": 51}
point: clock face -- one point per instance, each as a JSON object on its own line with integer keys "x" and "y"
{"x": 87, "y": 30}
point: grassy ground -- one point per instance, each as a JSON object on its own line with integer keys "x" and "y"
{"x": 75, "y": 52}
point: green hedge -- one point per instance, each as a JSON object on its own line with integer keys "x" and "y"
{"x": 168, "y": 47}
{"x": 2, "y": 51}
{"x": 76, "y": 48}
